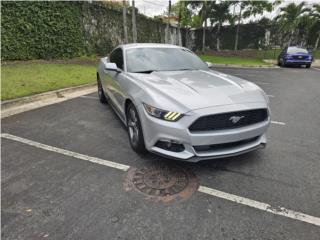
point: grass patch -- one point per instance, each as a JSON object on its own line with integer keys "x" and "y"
{"x": 19, "y": 80}
{"x": 273, "y": 54}
{"x": 232, "y": 60}
{"x": 245, "y": 55}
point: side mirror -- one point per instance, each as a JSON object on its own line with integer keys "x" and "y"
{"x": 111, "y": 67}
{"x": 209, "y": 64}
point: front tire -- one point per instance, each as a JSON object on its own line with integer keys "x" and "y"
{"x": 308, "y": 65}
{"x": 102, "y": 96}
{"x": 134, "y": 130}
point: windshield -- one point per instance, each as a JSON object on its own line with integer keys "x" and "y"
{"x": 296, "y": 50}
{"x": 162, "y": 59}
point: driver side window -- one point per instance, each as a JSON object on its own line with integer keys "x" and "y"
{"x": 117, "y": 58}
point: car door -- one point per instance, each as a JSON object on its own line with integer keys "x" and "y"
{"x": 112, "y": 81}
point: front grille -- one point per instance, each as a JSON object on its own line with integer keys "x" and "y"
{"x": 222, "y": 146}
{"x": 301, "y": 57}
{"x": 228, "y": 120}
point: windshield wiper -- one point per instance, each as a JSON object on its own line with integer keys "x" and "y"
{"x": 150, "y": 71}
{"x": 146, "y": 71}
{"x": 185, "y": 69}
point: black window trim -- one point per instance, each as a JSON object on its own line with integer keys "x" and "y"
{"x": 122, "y": 50}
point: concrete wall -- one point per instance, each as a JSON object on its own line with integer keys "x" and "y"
{"x": 104, "y": 28}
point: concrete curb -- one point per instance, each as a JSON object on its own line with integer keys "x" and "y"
{"x": 245, "y": 66}
{"x": 315, "y": 63}
{"x": 15, "y": 106}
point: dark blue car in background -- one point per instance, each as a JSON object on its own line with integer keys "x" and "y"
{"x": 295, "y": 56}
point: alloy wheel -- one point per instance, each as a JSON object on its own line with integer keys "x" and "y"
{"x": 133, "y": 127}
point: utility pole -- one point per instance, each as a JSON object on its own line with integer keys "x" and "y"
{"x": 237, "y": 31}
{"x": 124, "y": 12}
{"x": 204, "y": 18}
{"x": 134, "y": 26}
{"x": 168, "y": 23}
{"x": 179, "y": 19}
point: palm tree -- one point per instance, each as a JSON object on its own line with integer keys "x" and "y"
{"x": 182, "y": 12}
{"x": 219, "y": 13}
{"x": 251, "y": 8}
{"x": 184, "y": 15}
{"x": 204, "y": 17}
{"x": 316, "y": 16}
{"x": 306, "y": 23}
{"x": 290, "y": 17}
{"x": 203, "y": 13}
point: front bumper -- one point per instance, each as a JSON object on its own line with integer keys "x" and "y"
{"x": 298, "y": 62}
{"x": 156, "y": 129}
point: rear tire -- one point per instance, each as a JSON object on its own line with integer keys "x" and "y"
{"x": 308, "y": 65}
{"x": 102, "y": 96}
{"x": 134, "y": 129}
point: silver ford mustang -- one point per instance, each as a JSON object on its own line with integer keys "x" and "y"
{"x": 174, "y": 105}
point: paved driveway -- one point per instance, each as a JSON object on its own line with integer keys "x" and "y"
{"x": 57, "y": 184}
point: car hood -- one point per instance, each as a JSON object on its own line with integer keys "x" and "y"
{"x": 199, "y": 89}
{"x": 299, "y": 53}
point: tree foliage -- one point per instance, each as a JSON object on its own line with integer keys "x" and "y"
{"x": 290, "y": 17}
{"x": 179, "y": 9}
{"x": 220, "y": 13}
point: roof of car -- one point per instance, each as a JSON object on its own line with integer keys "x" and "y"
{"x": 297, "y": 47}
{"x": 148, "y": 45}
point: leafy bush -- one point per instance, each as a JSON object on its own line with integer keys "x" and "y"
{"x": 41, "y": 30}
{"x": 55, "y": 30}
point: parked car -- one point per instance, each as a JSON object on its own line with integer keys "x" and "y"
{"x": 174, "y": 105}
{"x": 296, "y": 56}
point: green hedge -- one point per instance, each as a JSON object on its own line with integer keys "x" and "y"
{"x": 41, "y": 30}
{"x": 55, "y": 30}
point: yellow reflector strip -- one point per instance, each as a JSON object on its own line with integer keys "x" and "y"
{"x": 176, "y": 116}
{"x": 171, "y": 116}
{"x": 167, "y": 115}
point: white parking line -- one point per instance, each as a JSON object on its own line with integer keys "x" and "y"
{"x": 281, "y": 211}
{"x": 66, "y": 152}
{"x": 90, "y": 97}
{"x": 279, "y": 123}
{"x": 262, "y": 206}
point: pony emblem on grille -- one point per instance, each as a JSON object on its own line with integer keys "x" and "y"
{"x": 235, "y": 119}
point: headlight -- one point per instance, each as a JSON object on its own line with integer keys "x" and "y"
{"x": 288, "y": 56}
{"x": 162, "y": 114}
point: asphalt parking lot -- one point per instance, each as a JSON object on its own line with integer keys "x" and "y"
{"x": 58, "y": 186}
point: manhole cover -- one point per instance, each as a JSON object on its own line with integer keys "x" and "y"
{"x": 162, "y": 182}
